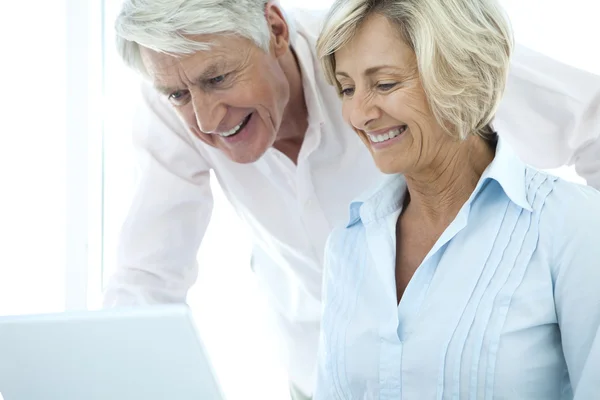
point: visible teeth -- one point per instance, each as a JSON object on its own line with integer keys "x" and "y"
{"x": 386, "y": 136}
{"x": 234, "y": 130}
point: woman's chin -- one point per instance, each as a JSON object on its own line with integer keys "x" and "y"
{"x": 390, "y": 168}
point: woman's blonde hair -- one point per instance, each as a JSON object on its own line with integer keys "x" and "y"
{"x": 462, "y": 47}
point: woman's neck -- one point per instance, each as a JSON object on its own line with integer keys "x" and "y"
{"x": 436, "y": 195}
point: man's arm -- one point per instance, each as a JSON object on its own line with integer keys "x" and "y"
{"x": 550, "y": 114}
{"x": 156, "y": 260}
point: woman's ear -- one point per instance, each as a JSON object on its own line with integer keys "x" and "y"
{"x": 280, "y": 34}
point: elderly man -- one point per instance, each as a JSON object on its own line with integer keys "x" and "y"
{"x": 235, "y": 87}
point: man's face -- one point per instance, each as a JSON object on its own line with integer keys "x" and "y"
{"x": 232, "y": 96}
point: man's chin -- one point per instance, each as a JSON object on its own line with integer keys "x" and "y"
{"x": 246, "y": 157}
{"x": 249, "y": 153}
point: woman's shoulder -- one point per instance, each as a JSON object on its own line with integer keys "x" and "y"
{"x": 559, "y": 198}
{"x": 569, "y": 218}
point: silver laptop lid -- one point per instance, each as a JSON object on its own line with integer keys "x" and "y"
{"x": 146, "y": 353}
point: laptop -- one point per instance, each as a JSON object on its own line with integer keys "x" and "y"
{"x": 145, "y": 353}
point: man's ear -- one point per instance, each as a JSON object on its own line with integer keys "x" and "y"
{"x": 280, "y": 33}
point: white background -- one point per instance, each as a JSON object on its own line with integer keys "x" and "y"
{"x": 66, "y": 173}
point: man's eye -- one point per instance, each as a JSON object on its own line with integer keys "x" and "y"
{"x": 217, "y": 80}
{"x": 178, "y": 97}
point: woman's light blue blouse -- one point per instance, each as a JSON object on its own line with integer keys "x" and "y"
{"x": 506, "y": 305}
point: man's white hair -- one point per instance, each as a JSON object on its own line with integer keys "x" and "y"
{"x": 171, "y": 26}
{"x": 463, "y": 50}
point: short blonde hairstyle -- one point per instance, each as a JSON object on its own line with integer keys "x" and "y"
{"x": 462, "y": 48}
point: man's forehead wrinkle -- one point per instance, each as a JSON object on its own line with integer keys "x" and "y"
{"x": 184, "y": 77}
{"x": 175, "y": 75}
{"x": 179, "y": 72}
{"x": 162, "y": 66}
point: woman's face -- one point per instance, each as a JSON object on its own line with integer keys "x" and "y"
{"x": 384, "y": 102}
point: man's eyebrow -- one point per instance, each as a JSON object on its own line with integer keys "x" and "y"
{"x": 165, "y": 89}
{"x": 209, "y": 72}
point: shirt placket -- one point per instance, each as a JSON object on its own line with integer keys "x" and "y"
{"x": 314, "y": 219}
{"x": 381, "y": 241}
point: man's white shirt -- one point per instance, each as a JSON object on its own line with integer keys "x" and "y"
{"x": 550, "y": 115}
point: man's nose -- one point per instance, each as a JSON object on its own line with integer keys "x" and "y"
{"x": 209, "y": 112}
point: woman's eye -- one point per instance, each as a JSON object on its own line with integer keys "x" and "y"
{"x": 347, "y": 91}
{"x": 386, "y": 86}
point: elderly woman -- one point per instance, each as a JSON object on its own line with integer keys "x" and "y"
{"x": 466, "y": 274}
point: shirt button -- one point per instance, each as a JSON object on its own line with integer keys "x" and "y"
{"x": 308, "y": 203}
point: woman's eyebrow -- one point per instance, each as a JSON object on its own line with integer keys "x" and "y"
{"x": 375, "y": 69}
